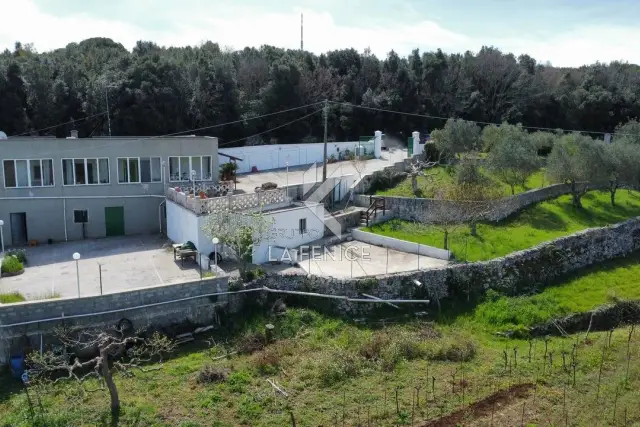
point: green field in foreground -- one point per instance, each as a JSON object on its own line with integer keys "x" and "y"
{"x": 442, "y": 176}
{"x": 534, "y": 225}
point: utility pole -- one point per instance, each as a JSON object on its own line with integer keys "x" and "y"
{"x": 324, "y": 163}
{"x": 106, "y": 97}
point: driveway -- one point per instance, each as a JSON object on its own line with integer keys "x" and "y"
{"x": 359, "y": 259}
{"x": 123, "y": 262}
{"x": 305, "y": 174}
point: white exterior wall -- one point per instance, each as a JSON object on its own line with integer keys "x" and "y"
{"x": 183, "y": 226}
{"x": 400, "y": 245}
{"x": 285, "y": 232}
{"x": 266, "y": 157}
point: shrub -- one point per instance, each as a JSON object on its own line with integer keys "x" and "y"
{"x": 11, "y": 264}
{"x": 454, "y": 349}
{"x": 251, "y": 342}
{"x": 372, "y": 349}
{"x": 212, "y": 374}
{"x": 268, "y": 361}
{"x": 269, "y": 186}
{"x": 238, "y": 381}
{"x": 21, "y": 254}
{"x": 337, "y": 365}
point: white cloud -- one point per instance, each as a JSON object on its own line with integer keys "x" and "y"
{"x": 238, "y": 26}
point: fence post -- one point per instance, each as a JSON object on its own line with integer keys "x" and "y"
{"x": 100, "y": 272}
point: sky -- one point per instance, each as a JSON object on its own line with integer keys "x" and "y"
{"x": 562, "y": 32}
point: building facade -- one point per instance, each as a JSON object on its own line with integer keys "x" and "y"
{"x": 55, "y": 189}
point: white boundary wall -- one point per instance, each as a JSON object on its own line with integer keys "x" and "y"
{"x": 276, "y": 156}
{"x": 400, "y": 245}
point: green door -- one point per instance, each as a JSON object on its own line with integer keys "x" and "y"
{"x": 410, "y": 146}
{"x": 114, "y": 220}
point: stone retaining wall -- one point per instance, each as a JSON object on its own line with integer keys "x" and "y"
{"x": 513, "y": 274}
{"x": 433, "y": 210}
{"x": 162, "y": 311}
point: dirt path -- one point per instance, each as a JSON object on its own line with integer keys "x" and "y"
{"x": 500, "y": 403}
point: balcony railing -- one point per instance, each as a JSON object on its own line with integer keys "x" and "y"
{"x": 238, "y": 202}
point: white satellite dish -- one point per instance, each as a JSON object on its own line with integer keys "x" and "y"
{"x": 3, "y": 135}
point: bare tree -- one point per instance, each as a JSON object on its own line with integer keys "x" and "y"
{"x": 418, "y": 168}
{"x": 111, "y": 352}
{"x": 238, "y": 231}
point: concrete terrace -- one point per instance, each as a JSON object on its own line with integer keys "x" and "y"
{"x": 305, "y": 174}
{"x": 127, "y": 263}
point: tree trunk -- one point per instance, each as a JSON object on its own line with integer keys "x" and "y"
{"x": 576, "y": 196}
{"x": 612, "y": 189}
{"x": 513, "y": 190}
{"x": 108, "y": 379}
{"x": 474, "y": 231}
{"x": 446, "y": 240}
{"x": 414, "y": 184}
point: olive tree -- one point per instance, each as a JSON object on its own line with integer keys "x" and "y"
{"x": 622, "y": 160}
{"x": 576, "y": 160}
{"x": 458, "y": 136}
{"x": 110, "y": 351}
{"x": 628, "y": 132}
{"x": 513, "y": 158}
{"x": 238, "y": 231}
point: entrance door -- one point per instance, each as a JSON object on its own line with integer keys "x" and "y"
{"x": 19, "y": 228}
{"x": 114, "y": 221}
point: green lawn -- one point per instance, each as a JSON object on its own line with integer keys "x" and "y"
{"x": 536, "y": 224}
{"x": 441, "y": 176}
{"x": 585, "y": 290}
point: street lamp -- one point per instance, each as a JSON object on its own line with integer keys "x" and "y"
{"x": 215, "y": 242}
{"x": 287, "y": 163}
{"x": 1, "y": 237}
{"x": 193, "y": 180}
{"x": 76, "y": 257}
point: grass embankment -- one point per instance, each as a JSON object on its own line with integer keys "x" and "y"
{"x": 536, "y": 224}
{"x": 442, "y": 176}
{"x": 583, "y": 291}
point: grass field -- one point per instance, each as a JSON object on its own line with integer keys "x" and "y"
{"x": 442, "y": 176}
{"x": 536, "y": 224}
{"x": 336, "y": 373}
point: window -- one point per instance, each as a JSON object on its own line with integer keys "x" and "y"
{"x": 28, "y": 173}
{"x": 303, "y": 225}
{"x": 133, "y": 170}
{"x": 180, "y": 168}
{"x": 80, "y": 216}
{"x": 150, "y": 169}
{"x": 85, "y": 171}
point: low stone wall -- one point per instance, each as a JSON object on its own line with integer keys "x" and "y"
{"x": 433, "y": 210}
{"x": 513, "y": 274}
{"x": 400, "y": 245}
{"x": 159, "y": 311}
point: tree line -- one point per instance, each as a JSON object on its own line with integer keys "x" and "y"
{"x": 153, "y": 90}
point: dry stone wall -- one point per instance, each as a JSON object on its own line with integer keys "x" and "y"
{"x": 433, "y": 210}
{"x": 514, "y": 274}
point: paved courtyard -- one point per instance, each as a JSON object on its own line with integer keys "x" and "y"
{"x": 247, "y": 183}
{"x": 358, "y": 259}
{"x": 127, "y": 263}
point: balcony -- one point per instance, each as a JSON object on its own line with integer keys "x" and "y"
{"x": 239, "y": 202}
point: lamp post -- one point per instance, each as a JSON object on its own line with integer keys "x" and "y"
{"x": 215, "y": 242}
{"x": 193, "y": 181}
{"x": 1, "y": 237}
{"x": 76, "y": 257}
{"x": 287, "y": 163}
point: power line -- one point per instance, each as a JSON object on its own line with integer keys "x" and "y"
{"x": 60, "y": 124}
{"x": 113, "y": 142}
{"x": 426, "y": 116}
{"x": 272, "y": 129}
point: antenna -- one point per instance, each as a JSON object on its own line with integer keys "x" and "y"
{"x": 301, "y": 31}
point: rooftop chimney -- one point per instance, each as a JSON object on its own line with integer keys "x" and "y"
{"x": 74, "y": 134}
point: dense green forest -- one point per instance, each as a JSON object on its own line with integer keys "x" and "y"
{"x": 153, "y": 90}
